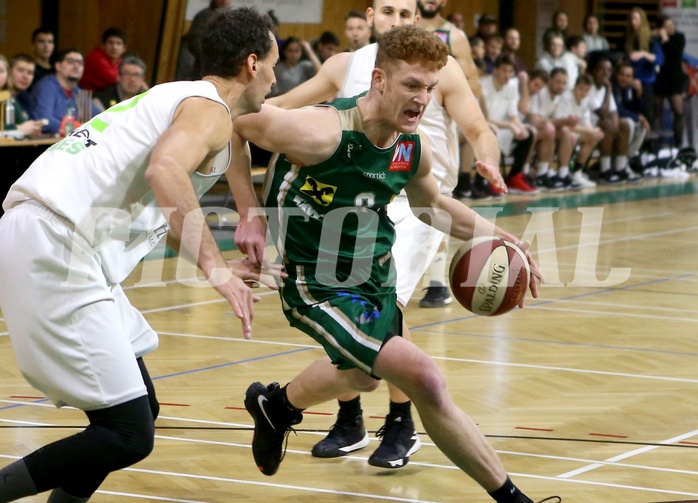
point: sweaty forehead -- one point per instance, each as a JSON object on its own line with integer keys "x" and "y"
{"x": 417, "y": 73}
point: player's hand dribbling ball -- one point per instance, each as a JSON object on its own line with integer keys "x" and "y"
{"x": 489, "y": 276}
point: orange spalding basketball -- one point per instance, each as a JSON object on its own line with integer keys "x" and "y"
{"x": 489, "y": 276}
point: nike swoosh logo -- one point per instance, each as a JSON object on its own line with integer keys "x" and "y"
{"x": 260, "y": 400}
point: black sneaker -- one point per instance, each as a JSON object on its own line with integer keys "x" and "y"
{"x": 436, "y": 296}
{"x": 399, "y": 442}
{"x": 555, "y": 183}
{"x": 568, "y": 183}
{"x": 269, "y": 434}
{"x": 463, "y": 189}
{"x": 609, "y": 177}
{"x": 550, "y": 181}
{"x": 628, "y": 175}
{"x": 348, "y": 434}
{"x": 541, "y": 181}
{"x": 480, "y": 193}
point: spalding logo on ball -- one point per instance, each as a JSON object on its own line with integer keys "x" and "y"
{"x": 489, "y": 276}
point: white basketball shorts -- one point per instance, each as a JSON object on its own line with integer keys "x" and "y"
{"x": 416, "y": 244}
{"x": 75, "y": 337}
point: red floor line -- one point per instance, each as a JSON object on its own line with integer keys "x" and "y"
{"x": 532, "y": 429}
{"x": 607, "y": 435}
{"x": 174, "y": 404}
{"x": 28, "y": 397}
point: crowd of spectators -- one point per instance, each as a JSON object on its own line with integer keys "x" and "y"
{"x": 616, "y": 102}
{"x": 582, "y": 96}
{"x": 49, "y": 87}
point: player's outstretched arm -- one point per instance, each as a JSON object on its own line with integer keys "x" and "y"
{"x": 306, "y": 136}
{"x": 463, "y": 107}
{"x": 453, "y": 217}
{"x": 322, "y": 87}
{"x": 200, "y": 129}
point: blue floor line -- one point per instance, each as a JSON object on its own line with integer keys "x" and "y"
{"x": 222, "y": 365}
{"x": 421, "y": 328}
{"x": 16, "y": 405}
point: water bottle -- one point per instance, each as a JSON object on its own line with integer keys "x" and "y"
{"x": 9, "y": 112}
{"x": 69, "y": 120}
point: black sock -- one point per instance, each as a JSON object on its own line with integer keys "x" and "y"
{"x": 280, "y": 407}
{"x": 350, "y": 408}
{"x": 402, "y": 409}
{"x": 463, "y": 181}
{"x": 509, "y": 493}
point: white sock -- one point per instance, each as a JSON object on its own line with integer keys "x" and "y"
{"x": 526, "y": 168}
{"x": 621, "y": 161}
{"x": 605, "y": 163}
{"x": 437, "y": 269}
{"x": 543, "y": 168}
{"x": 563, "y": 171}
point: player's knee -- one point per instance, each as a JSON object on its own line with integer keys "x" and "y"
{"x": 429, "y": 383}
{"x": 609, "y": 127}
{"x": 549, "y": 130}
{"x": 365, "y": 383}
{"x": 126, "y": 432}
{"x": 359, "y": 381}
{"x": 133, "y": 443}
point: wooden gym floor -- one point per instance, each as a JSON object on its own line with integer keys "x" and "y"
{"x": 589, "y": 393}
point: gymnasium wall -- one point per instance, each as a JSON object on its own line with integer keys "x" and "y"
{"x": 18, "y": 19}
{"x": 155, "y": 27}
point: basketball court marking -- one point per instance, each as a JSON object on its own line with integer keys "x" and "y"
{"x": 605, "y": 484}
{"x": 626, "y": 306}
{"x": 629, "y": 454}
{"x": 562, "y": 343}
{"x": 464, "y": 360}
{"x": 606, "y": 463}
{"x": 312, "y": 490}
{"x": 542, "y": 302}
{"x": 147, "y": 497}
{"x": 614, "y": 313}
{"x": 567, "y": 369}
{"x": 562, "y": 477}
{"x": 306, "y": 489}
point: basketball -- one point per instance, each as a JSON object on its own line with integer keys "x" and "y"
{"x": 489, "y": 276}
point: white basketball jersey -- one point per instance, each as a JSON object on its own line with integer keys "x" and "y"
{"x": 358, "y": 76}
{"x": 96, "y": 176}
{"x": 436, "y": 123}
{"x": 442, "y": 132}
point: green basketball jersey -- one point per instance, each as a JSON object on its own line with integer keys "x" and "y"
{"x": 332, "y": 219}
